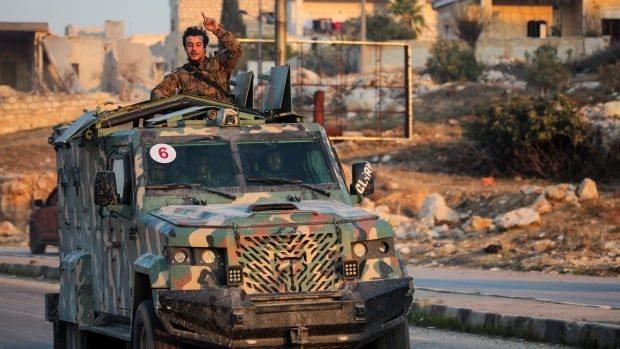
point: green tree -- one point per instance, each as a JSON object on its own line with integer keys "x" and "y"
{"x": 380, "y": 27}
{"x": 471, "y": 22}
{"x": 231, "y": 18}
{"x": 410, "y": 14}
{"x": 452, "y": 61}
{"x": 545, "y": 71}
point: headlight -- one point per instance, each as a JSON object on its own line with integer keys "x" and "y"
{"x": 369, "y": 249}
{"x": 359, "y": 249}
{"x": 180, "y": 256}
{"x": 208, "y": 256}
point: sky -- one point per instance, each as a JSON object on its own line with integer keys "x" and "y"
{"x": 140, "y": 16}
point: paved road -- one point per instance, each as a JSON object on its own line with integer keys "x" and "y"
{"x": 22, "y": 324}
{"x": 22, "y": 320}
{"x": 586, "y": 290}
{"x": 423, "y": 338}
{"x": 51, "y": 252}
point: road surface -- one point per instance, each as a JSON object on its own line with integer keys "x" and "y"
{"x": 601, "y": 292}
{"x": 23, "y": 326}
{"x": 570, "y": 289}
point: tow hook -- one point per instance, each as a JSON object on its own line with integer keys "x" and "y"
{"x": 298, "y": 335}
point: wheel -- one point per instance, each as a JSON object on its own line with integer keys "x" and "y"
{"x": 148, "y": 332}
{"x": 75, "y": 338}
{"x": 36, "y": 248}
{"x": 59, "y": 334}
{"x": 398, "y": 338}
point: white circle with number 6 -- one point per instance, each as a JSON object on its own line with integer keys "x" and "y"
{"x": 163, "y": 153}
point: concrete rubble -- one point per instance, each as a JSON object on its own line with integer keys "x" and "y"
{"x": 521, "y": 217}
{"x": 587, "y": 190}
{"x": 435, "y": 210}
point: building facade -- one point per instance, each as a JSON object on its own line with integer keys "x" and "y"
{"x": 516, "y": 19}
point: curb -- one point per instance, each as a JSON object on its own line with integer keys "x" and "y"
{"x": 32, "y": 271}
{"x": 574, "y": 333}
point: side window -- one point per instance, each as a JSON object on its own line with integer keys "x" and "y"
{"x": 120, "y": 167}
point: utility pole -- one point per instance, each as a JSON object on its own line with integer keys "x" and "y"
{"x": 280, "y": 32}
{"x": 363, "y": 21}
{"x": 363, "y": 51}
{"x": 260, "y": 37}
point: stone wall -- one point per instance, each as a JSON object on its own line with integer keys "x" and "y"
{"x": 23, "y": 112}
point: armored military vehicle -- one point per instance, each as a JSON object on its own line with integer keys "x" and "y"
{"x": 190, "y": 222}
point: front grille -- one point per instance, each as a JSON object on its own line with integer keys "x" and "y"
{"x": 290, "y": 263}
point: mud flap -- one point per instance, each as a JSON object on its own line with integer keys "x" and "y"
{"x": 75, "y": 302}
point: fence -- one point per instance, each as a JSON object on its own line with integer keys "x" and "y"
{"x": 357, "y": 90}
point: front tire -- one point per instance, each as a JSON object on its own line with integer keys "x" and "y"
{"x": 148, "y": 332}
{"x": 37, "y": 248}
{"x": 397, "y": 338}
{"x": 75, "y": 338}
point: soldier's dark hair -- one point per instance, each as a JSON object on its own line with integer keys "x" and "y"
{"x": 196, "y": 31}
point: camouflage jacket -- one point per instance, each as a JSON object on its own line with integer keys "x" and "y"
{"x": 218, "y": 68}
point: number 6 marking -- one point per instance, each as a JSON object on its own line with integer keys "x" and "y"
{"x": 163, "y": 153}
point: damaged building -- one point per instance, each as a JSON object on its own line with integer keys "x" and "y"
{"x": 83, "y": 61}
{"x": 21, "y": 55}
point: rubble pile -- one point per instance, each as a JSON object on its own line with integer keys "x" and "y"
{"x": 438, "y": 231}
{"x": 505, "y": 80}
{"x": 605, "y": 118}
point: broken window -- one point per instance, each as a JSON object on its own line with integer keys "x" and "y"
{"x": 611, "y": 27}
{"x": 8, "y": 74}
{"x": 76, "y": 69}
{"x": 536, "y": 29}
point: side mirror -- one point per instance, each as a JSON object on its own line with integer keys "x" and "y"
{"x": 363, "y": 177}
{"x": 105, "y": 188}
{"x": 39, "y": 203}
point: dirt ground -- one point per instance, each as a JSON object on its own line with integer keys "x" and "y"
{"x": 570, "y": 239}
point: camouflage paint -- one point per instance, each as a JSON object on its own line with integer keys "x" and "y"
{"x": 300, "y": 249}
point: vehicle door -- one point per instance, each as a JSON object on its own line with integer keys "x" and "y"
{"x": 119, "y": 238}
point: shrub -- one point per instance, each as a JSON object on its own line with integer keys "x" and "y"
{"x": 545, "y": 71}
{"x": 452, "y": 61}
{"x": 532, "y": 136}
{"x": 609, "y": 76}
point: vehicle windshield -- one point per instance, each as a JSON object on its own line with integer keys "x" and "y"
{"x": 278, "y": 160}
{"x": 205, "y": 164}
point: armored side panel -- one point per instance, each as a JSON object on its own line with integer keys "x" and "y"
{"x": 79, "y": 227}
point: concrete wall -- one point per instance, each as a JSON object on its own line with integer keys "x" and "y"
{"x": 338, "y": 11}
{"x": 489, "y": 50}
{"x": 23, "y": 112}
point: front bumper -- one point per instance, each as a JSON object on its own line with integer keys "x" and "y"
{"x": 342, "y": 319}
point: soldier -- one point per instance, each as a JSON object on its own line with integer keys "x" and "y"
{"x": 204, "y": 76}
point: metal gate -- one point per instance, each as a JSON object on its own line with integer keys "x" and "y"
{"x": 357, "y": 90}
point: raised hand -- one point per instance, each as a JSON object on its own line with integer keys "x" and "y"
{"x": 209, "y": 23}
